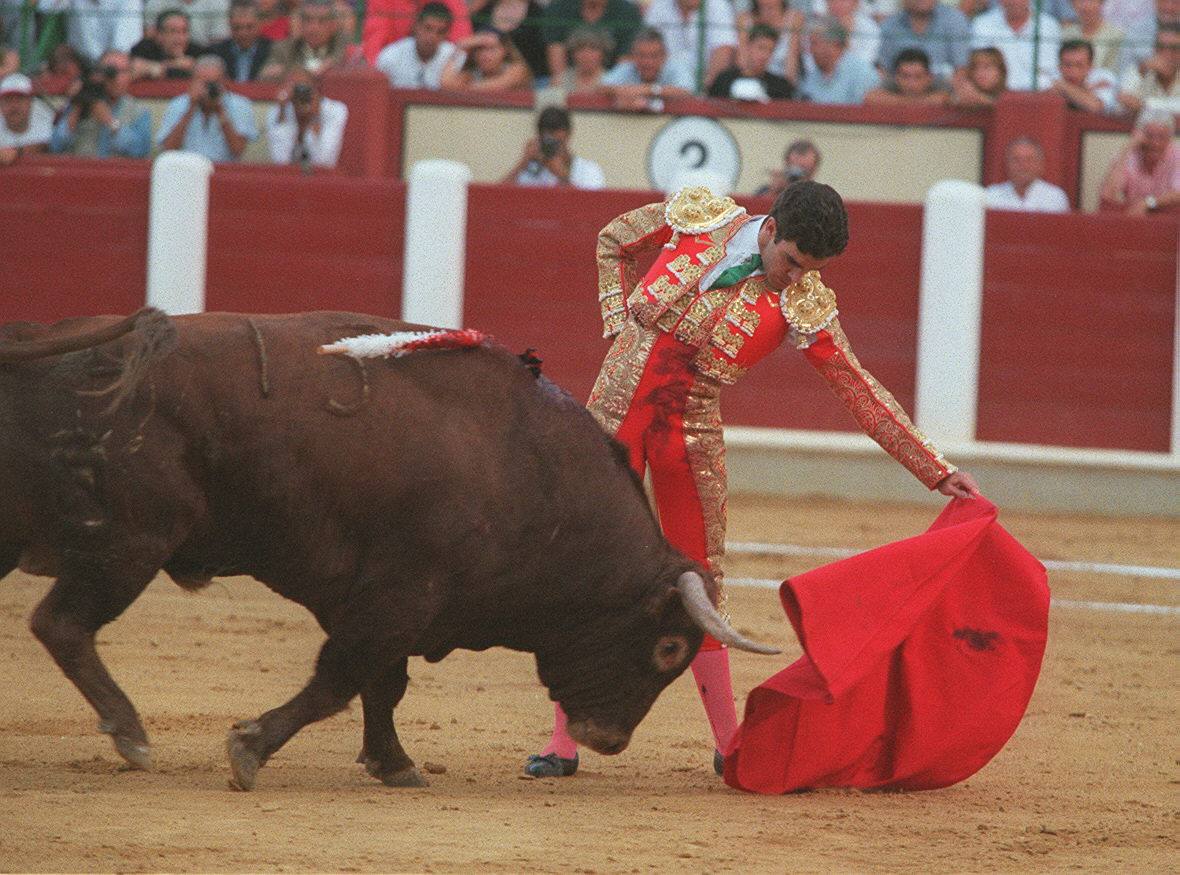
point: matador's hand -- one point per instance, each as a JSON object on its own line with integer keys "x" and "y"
{"x": 958, "y": 485}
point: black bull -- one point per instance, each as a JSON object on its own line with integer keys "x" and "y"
{"x": 447, "y": 499}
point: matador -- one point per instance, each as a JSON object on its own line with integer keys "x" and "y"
{"x": 726, "y": 289}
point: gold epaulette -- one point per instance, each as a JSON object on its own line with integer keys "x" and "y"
{"x": 808, "y": 305}
{"x": 696, "y": 210}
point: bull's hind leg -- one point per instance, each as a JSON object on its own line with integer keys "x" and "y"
{"x": 383, "y": 755}
{"x": 339, "y": 673}
{"x": 66, "y": 621}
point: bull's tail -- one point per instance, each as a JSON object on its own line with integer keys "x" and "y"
{"x": 150, "y": 320}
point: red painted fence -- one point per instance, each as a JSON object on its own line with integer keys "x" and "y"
{"x": 1078, "y": 309}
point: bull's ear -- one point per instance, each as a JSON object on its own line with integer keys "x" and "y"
{"x": 657, "y": 605}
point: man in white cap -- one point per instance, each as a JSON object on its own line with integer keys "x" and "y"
{"x": 25, "y": 124}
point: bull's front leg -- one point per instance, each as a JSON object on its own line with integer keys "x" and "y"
{"x": 66, "y": 621}
{"x": 383, "y": 755}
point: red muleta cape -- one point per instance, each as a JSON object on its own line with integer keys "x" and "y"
{"x": 919, "y": 661}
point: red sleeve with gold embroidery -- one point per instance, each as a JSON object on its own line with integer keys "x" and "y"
{"x": 874, "y": 408}
{"x": 619, "y": 242}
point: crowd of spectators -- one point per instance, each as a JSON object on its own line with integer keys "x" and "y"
{"x": 1112, "y": 57}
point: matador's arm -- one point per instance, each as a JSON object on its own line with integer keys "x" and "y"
{"x": 619, "y": 242}
{"x": 873, "y": 407}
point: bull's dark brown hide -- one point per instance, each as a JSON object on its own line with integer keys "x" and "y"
{"x": 448, "y": 499}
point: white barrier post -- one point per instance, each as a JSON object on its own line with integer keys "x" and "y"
{"x": 178, "y": 231}
{"x": 949, "y": 311}
{"x": 436, "y": 243}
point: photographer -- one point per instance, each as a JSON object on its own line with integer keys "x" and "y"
{"x": 305, "y": 127}
{"x": 101, "y": 119}
{"x": 800, "y": 162}
{"x": 209, "y": 120}
{"x": 547, "y": 160}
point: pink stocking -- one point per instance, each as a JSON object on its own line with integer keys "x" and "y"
{"x": 711, "y": 671}
{"x": 560, "y": 743}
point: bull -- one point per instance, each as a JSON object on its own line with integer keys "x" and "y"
{"x": 443, "y": 500}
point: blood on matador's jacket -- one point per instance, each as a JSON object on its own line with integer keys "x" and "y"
{"x": 919, "y": 659}
{"x": 677, "y": 345}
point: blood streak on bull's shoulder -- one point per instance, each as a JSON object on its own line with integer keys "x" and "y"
{"x": 400, "y": 343}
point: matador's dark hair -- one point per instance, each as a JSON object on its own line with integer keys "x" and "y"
{"x": 813, "y": 216}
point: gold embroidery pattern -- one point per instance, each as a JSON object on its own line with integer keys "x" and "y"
{"x": 696, "y": 210}
{"x": 879, "y": 415}
{"x": 705, "y": 446}
{"x": 617, "y": 275}
{"x": 702, "y": 316}
{"x": 808, "y": 305}
{"x": 619, "y": 378}
{"x": 709, "y": 364}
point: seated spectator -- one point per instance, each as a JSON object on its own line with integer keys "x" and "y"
{"x": 9, "y": 57}
{"x": 305, "y": 127}
{"x": 387, "y": 21}
{"x": 96, "y": 26}
{"x": 679, "y": 22}
{"x": 63, "y": 68}
{"x": 210, "y": 119}
{"x": 750, "y": 79}
{"x": 547, "y": 161}
{"x": 1139, "y": 42}
{"x": 911, "y": 84}
{"x": 102, "y": 120}
{"x": 982, "y": 82}
{"x": 864, "y": 34}
{"x": 642, "y": 83}
{"x": 522, "y": 20}
{"x": 169, "y": 54}
{"x": 26, "y": 125}
{"x": 275, "y": 19}
{"x": 206, "y": 18}
{"x": 1009, "y": 27}
{"x": 1025, "y": 190}
{"x": 619, "y": 18}
{"x": 417, "y": 61}
{"x": 1123, "y": 13}
{"x": 1158, "y": 85}
{"x": 830, "y": 74}
{"x": 1106, "y": 39}
{"x": 1084, "y": 86}
{"x": 320, "y": 43}
{"x": 489, "y": 62}
{"x": 587, "y": 50}
{"x": 1144, "y": 177}
{"x": 246, "y": 51}
{"x": 772, "y": 13}
{"x": 801, "y": 161}
{"x": 941, "y": 31}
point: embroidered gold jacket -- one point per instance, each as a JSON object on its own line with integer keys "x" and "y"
{"x": 736, "y": 326}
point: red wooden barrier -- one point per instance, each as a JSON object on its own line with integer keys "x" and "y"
{"x": 1078, "y": 310}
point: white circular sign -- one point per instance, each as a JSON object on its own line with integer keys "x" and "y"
{"x": 694, "y": 149}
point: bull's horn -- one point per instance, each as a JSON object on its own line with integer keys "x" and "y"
{"x": 696, "y": 601}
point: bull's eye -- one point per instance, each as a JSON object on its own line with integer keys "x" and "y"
{"x": 670, "y": 652}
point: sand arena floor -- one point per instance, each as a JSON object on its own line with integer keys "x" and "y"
{"x": 1089, "y": 782}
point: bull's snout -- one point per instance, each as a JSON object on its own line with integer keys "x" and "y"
{"x": 599, "y": 739}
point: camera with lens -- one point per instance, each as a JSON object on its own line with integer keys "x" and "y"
{"x": 795, "y": 173}
{"x": 301, "y": 93}
{"x": 549, "y": 145}
{"x": 213, "y": 90}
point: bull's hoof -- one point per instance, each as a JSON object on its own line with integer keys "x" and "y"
{"x": 550, "y": 766}
{"x": 137, "y": 754}
{"x": 244, "y": 760}
{"x": 718, "y": 763}
{"x": 135, "y": 750}
{"x": 407, "y": 777}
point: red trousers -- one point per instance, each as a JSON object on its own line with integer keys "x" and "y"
{"x": 668, "y": 417}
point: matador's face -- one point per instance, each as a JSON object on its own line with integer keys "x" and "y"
{"x": 782, "y": 260}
